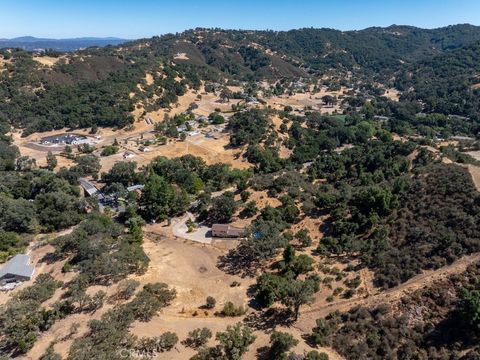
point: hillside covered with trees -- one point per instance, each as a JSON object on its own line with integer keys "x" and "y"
{"x": 338, "y": 208}
{"x": 93, "y": 87}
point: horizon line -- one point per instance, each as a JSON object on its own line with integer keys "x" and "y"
{"x": 114, "y": 37}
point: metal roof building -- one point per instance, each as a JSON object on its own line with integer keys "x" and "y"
{"x": 16, "y": 269}
{"x": 90, "y": 189}
{"x": 135, "y": 187}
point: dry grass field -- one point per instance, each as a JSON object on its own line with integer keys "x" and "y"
{"x": 299, "y": 101}
{"x": 192, "y": 267}
{"x": 3, "y": 63}
{"x": 47, "y": 60}
{"x": 392, "y": 94}
{"x": 211, "y": 150}
{"x": 199, "y": 277}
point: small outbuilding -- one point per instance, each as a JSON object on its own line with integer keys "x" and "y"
{"x": 227, "y": 231}
{"x": 90, "y": 189}
{"x": 16, "y": 269}
{"x": 138, "y": 187}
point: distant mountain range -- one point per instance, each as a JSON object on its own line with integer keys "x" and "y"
{"x": 31, "y": 43}
{"x": 437, "y": 68}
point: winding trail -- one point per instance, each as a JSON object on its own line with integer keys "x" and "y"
{"x": 309, "y": 315}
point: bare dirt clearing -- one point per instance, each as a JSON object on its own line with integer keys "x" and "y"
{"x": 191, "y": 268}
{"x": 149, "y": 78}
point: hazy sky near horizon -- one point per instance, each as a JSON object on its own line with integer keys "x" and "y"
{"x": 145, "y": 18}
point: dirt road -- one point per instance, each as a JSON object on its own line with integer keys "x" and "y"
{"x": 309, "y": 315}
{"x": 475, "y": 173}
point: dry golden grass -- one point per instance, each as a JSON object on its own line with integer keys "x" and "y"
{"x": 149, "y": 78}
{"x": 210, "y": 150}
{"x": 181, "y": 56}
{"x": 3, "y": 63}
{"x": 301, "y": 100}
{"x": 46, "y": 60}
{"x": 207, "y": 104}
{"x": 198, "y": 279}
{"x": 392, "y": 94}
{"x": 393, "y": 295}
{"x": 475, "y": 173}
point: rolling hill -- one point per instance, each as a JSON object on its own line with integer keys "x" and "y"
{"x": 46, "y": 97}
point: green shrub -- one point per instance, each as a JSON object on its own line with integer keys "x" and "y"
{"x": 229, "y": 309}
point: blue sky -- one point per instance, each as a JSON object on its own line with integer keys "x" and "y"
{"x": 145, "y": 18}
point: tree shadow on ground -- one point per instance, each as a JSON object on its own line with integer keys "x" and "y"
{"x": 51, "y": 258}
{"x": 233, "y": 263}
{"x": 253, "y": 302}
{"x": 269, "y": 319}
{"x": 309, "y": 340}
{"x": 452, "y": 332}
{"x": 262, "y": 352}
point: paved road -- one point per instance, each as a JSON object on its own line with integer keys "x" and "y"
{"x": 202, "y": 234}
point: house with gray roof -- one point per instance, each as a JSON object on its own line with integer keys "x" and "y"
{"x": 135, "y": 187}
{"x": 16, "y": 269}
